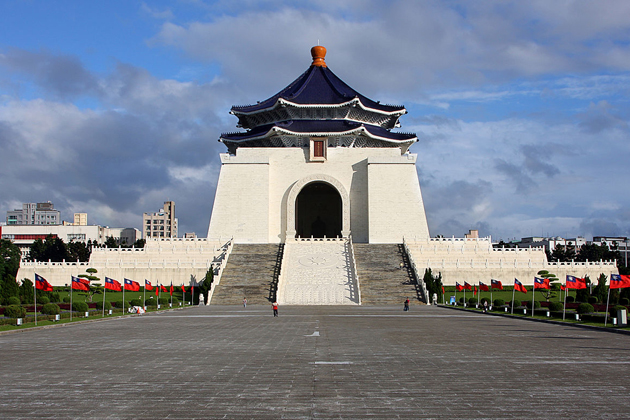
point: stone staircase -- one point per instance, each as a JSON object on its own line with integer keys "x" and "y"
{"x": 317, "y": 272}
{"x": 252, "y": 271}
{"x": 381, "y": 280}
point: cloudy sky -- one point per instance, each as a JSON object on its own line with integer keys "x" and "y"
{"x": 521, "y": 108}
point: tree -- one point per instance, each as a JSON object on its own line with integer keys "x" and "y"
{"x": 434, "y": 284}
{"x": 110, "y": 242}
{"x": 581, "y": 295}
{"x": 9, "y": 288}
{"x": 206, "y": 284}
{"x": 26, "y": 291}
{"x": 601, "y": 290}
{"x": 10, "y": 257}
{"x": 52, "y": 248}
{"x": 139, "y": 243}
{"x": 78, "y": 251}
{"x": 548, "y": 293}
{"x": 95, "y": 288}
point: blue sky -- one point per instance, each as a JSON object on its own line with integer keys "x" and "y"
{"x": 521, "y": 108}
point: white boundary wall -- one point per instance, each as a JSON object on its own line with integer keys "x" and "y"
{"x": 182, "y": 261}
{"x": 474, "y": 260}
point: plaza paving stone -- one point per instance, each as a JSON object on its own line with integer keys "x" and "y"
{"x": 312, "y": 363}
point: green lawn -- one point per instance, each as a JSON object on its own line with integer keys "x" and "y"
{"x": 505, "y": 295}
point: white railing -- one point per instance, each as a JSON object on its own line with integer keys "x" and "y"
{"x": 419, "y": 279}
{"x": 221, "y": 260}
{"x": 355, "y": 272}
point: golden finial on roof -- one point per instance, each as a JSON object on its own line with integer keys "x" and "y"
{"x": 318, "y": 53}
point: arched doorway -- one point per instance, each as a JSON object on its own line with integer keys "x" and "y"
{"x": 318, "y": 209}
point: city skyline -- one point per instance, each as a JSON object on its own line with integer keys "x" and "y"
{"x": 520, "y": 107}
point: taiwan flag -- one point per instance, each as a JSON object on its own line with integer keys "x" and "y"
{"x": 575, "y": 283}
{"x": 184, "y": 289}
{"x": 132, "y": 286}
{"x": 112, "y": 284}
{"x": 458, "y": 287}
{"x": 147, "y": 285}
{"x": 157, "y": 290}
{"x": 467, "y": 286}
{"x": 171, "y": 289}
{"x": 519, "y": 286}
{"x": 77, "y": 284}
{"x": 619, "y": 281}
{"x": 541, "y": 283}
{"x": 42, "y": 284}
{"x": 483, "y": 287}
{"x": 475, "y": 291}
{"x": 496, "y": 284}
{"x": 163, "y": 289}
{"x": 443, "y": 292}
{"x": 563, "y": 287}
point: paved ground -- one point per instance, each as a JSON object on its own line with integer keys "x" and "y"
{"x": 314, "y": 362}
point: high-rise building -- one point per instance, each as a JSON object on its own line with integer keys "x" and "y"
{"x": 34, "y": 214}
{"x": 162, "y": 224}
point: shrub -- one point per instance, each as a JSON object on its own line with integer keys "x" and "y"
{"x": 54, "y": 297}
{"x": 484, "y": 300}
{"x": 461, "y": 300}
{"x": 15, "y": 311}
{"x": 585, "y": 308}
{"x": 570, "y": 299}
{"x": 472, "y": 301}
{"x": 516, "y": 303}
{"x": 80, "y": 306}
{"x": 499, "y": 302}
{"x": 135, "y": 302}
{"x": 150, "y": 302}
{"x": 555, "y": 306}
{"x": 13, "y": 300}
{"x": 592, "y": 300}
{"x": 625, "y": 301}
{"x": 100, "y": 304}
{"x": 51, "y": 309}
{"x": 175, "y": 301}
{"x": 536, "y": 304}
{"x": 119, "y": 304}
{"x": 66, "y": 299}
{"x": 43, "y": 300}
{"x": 163, "y": 301}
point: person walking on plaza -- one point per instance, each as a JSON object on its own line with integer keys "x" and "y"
{"x": 406, "y": 305}
{"x": 244, "y": 302}
{"x": 275, "y": 308}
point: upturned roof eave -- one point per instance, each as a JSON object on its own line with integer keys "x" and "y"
{"x": 359, "y": 130}
{"x": 281, "y": 102}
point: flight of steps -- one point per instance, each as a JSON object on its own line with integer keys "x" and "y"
{"x": 381, "y": 280}
{"x": 252, "y": 272}
{"x": 317, "y": 272}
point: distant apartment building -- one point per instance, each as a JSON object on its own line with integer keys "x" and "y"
{"x": 34, "y": 214}
{"x": 162, "y": 224}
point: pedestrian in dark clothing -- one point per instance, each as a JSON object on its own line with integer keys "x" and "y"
{"x": 407, "y": 305}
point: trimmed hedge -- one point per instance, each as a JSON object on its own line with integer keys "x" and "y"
{"x": 150, "y": 302}
{"x": 51, "y": 309}
{"x": 499, "y": 302}
{"x": 99, "y": 305}
{"x": 15, "y": 311}
{"x": 516, "y": 303}
{"x": 13, "y": 300}
{"x": 585, "y": 308}
{"x": 472, "y": 301}
{"x": 80, "y": 307}
{"x": 613, "y": 310}
{"x": 43, "y": 300}
{"x": 570, "y": 299}
{"x": 66, "y": 299}
{"x": 536, "y": 304}
{"x": 119, "y": 304}
{"x": 175, "y": 301}
{"x": 592, "y": 300}
{"x": 163, "y": 301}
{"x": 135, "y": 302}
{"x": 556, "y": 306}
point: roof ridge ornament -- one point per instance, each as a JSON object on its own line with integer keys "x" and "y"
{"x": 319, "y": 54}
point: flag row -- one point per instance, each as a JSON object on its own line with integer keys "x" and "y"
{"x": 617, "y": 281}
{"x": 79, "y": 283}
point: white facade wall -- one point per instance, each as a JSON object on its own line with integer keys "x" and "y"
{"x": 474, "y": 260}
{"x": 255, "y": 187}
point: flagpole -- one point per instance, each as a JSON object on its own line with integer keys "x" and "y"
{"x": 35, "y": 295}
{"x": 184, "y": 294}
{"x": 464, "y": 296}
{"x": 144, "y": 295}
{"x": 71, "y": 289}
{"x": 607, "y": 301}
{"x": 123, "y": 303}
{"x": 533, "y": 293}
{"x": 513, "y": 290}
{"x": 104, "y": 292}
{"x": 564, "y": 309}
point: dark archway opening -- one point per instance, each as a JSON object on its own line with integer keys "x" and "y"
{"x": 318, "y": 210}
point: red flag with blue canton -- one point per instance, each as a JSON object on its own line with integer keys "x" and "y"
{"x": 171, "y": 289}
{"x": 541, "y": 283}
{"x": 483, "y": 287}
{"x": 519, "y": 286}
{"x": 575, "y": 282}
{"x": 132, "y": 286}
{"x": 77, "y": 284}
{"x": 467, "y": 286}
{"x": 475, "y": 291}
{"x": 163, "y": 289}
{"x": 147, "y": 285}
{"x": 42, "y": 284}
{"x": 157, "y": 290}
{"x": 458, "y": 287}
{"x": 496, "y": 284}
{"x": 112, "y": 284}
{"x": 619, "y": 281}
